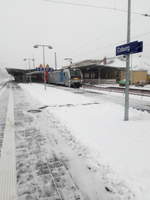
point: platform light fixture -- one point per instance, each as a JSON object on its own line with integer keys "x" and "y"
{"x": 69, "y": 59}
{"x": 43, "y": 47}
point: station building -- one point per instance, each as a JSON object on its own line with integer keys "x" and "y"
{"x": 99, "y": 71}
{"x": 137, "y": 76}
{"x": 110, "y": 71}
{"x": 105, "y": 71}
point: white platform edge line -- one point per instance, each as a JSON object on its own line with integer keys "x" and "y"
{"x": 8, "y": 156}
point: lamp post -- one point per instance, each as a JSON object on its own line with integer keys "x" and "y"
{"x": 33, "y": 60}
{"x": 55, "y": 60}
{"x": 126, "y": 109}
{"x": 69, "y": 59}
{"x": 29, "y": 64}
{"x": 43, "y": 47}
{"x": 28, "y": 59}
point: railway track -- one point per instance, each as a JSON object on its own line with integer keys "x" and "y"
{"x": 133, "y": 91}
{"x": 139, "y": 92}
{"x": 135, "y": 104}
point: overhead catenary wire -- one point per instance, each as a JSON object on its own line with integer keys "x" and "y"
{"x": 85, "y": 3}
{"x": 96, "y": 6}
{"x": 91, "y": 51}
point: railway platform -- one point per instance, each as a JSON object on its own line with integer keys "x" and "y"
{"x": 39, "y": 159}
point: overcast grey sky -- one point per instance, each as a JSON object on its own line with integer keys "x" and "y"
{"x": 73, "y": 31}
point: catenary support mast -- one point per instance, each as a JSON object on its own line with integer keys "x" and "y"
{"x": 126, "y": 112}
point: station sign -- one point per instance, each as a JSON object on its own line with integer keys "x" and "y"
{"x": 48, "y": 69}
{"x": 39, "y": 69}
{"x": 129, "y": 48}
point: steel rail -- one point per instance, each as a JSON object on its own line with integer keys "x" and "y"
{"x": 133, "y": 91}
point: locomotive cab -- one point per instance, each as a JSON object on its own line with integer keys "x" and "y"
{"x": 75, "y": 77}
{"x": 70, "y": 77}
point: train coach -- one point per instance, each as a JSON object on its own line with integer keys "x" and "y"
{"x": 36, "y": 76}
{"x": 70, "y": 77}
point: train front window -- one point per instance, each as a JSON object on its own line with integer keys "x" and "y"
{"x": 75, "y": 73}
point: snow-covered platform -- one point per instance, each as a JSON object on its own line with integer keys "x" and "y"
{"x": 51, "y": 153}
{"x": 48, "y": 165}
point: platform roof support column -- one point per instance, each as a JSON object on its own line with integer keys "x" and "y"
{"x": 99, "y": 75}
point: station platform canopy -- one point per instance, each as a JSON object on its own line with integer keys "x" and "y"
{"x": 92, "y": 64}
{"x": 100, "y": 71}
{"x": 19, "y": 74}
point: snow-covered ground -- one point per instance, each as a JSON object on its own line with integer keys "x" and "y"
{"x": 98, "y": 124}
{"x": 146, "y": 87}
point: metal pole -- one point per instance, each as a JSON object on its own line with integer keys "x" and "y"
{"x": 55, "y": 61}
{"x": 99, "y": 76}
{"x": 29, "y": 63}
{"x": 29, "y": 68}
{"x": 70, "y": 62}
{"x": 44, "y": 73}
{"x": 126, "y": 113}
{"x": 26, "y": 65}
{"x": 131, "y": 70}
{"x": 33, "y": 60}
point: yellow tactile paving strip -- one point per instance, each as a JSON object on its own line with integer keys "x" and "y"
{"x": 7, "y": 159}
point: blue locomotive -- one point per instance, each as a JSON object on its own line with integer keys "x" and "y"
{"x": 70, "y": 77}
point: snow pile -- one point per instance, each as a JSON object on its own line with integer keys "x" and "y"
{"x": 3, "y": 75}
{"x": 98, "y": 124}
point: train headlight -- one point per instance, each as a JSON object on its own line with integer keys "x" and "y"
{"x": 76, "y": 79}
